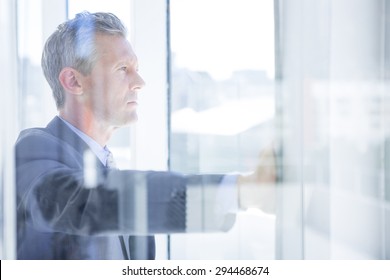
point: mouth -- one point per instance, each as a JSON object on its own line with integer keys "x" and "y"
{"x": 132, "y": 99}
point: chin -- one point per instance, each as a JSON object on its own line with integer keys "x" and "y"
{"x": 123, "y": 122}
{"x": 131, "y": 120}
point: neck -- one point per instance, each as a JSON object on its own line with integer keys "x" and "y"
{"x": 87, "y": 123}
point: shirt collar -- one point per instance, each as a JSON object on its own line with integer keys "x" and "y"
{"x": 96, "y": 148}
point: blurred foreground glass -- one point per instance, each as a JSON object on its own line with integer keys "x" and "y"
{"x": 334, "y": 129}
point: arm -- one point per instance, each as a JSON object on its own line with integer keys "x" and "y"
{"x": 134, "y": 202}
{"x": 53, "y": 197}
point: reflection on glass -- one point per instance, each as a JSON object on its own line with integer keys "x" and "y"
{"x": 222, "y": 110}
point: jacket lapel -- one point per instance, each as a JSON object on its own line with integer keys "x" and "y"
{"x": 60, "y": 130}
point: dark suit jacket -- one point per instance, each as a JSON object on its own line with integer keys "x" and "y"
{"x": 59, "y": 217}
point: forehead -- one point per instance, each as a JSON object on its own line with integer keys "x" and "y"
{"x": 114, "y": 48}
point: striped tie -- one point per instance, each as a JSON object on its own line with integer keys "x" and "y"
{"x": 110, "y": 162}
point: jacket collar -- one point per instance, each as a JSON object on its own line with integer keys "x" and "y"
{"x": 59, "y": 129}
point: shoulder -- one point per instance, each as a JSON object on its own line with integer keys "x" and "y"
{"x": 55, "y": 134}
{"x": 39, "y": 135}
{"x": 44, "y": 143}
{"x": 36, "y": 144}
{"x": 34, "y": 137}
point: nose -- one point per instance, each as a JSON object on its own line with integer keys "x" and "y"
{"x": 139, "y": 83}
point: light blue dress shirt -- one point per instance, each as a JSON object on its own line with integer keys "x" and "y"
{"x": 101, "y": 152}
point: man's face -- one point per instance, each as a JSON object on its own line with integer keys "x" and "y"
{"x": 111, "y": 88}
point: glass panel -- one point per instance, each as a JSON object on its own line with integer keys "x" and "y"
{"x": 334, "y": 100}
{"x": 222, "y": 110}
{"x": 9, "y": 128}
{"x": 33, "y": 87}
{"x": 330, "y": 108}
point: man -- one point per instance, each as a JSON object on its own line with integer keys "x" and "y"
{"x": 71, "y": 202}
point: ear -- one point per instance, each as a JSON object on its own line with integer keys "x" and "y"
{"x": 70, "y": 79}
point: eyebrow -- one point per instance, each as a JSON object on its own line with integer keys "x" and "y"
{"x": 126, "y": 61}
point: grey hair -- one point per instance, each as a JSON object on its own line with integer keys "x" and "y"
{"x": 73, "y": 45}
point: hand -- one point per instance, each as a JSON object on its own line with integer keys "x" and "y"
{"x": 258, "y": 188}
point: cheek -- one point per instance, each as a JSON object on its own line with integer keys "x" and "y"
{"x": 109, "y": 92}
{"x": 100, "y": 97}
{"x": 103, "y": 89}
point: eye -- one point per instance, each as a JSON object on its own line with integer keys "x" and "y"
{"x": 123, "y": 68}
